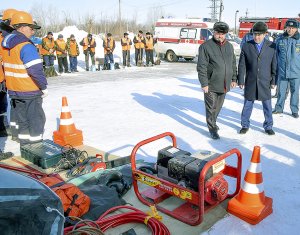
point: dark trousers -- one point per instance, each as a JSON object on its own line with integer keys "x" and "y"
{"x": 213, "y": 104}
{"x": 138, "y": 55}
{"x": 149, "y": 57}
{"x": 3, "y": 110}
{"x": 30, "y": 118}
{"x": 87, "y": 58}
{"x": 109, "y": 58}
{"x": 62, "y": 64}
{"x": 247, "y": 110}
{"x": 48, "y": 60}
{"x": 73, "y": 63}
{"x": 126, "y": 57}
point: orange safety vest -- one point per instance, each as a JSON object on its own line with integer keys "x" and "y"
{"x": 149, "y": 43}
{"x": 86, "y": 42}
{"x": 50, "y": 44}
{"x": 73, "y": 48}
{"x": 16, "y": 76}
{"x": 139, "y": 45}
{"x": 1, "y": 67}
{"x": 111, "y": 44}
{"x": 62, "y": 45}
{"x": 126, "y": 47}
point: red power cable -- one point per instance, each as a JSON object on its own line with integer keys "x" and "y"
{"x": 157, "y": 227}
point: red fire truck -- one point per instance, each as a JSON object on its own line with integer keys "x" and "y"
{"x": 275, "y": 25}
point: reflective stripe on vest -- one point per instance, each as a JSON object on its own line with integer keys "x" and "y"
{"x": 49, "y": 43}
{"x": 86, "y": 42}
{"x": 149, "y": 43}
{"x": 62, "y": 45}
{"x": 126, "y": 47}
{"x": 16, "y": 76}
{"x": 139, "y": 45}
{"x": 73, "y": 48}
{"x": 111, "y": 44}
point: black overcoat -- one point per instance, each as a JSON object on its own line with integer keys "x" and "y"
{"x": 257, "y": 71}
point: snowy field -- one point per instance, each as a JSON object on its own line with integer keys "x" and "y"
{"x": 117, "y": 109}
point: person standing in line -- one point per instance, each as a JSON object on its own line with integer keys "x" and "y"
{"x": 73, "y": 51}
{"x": 288, "y": 71}
{"x": 61, "y": 53}
{"x": 89, "y": 45}
{"x": 109, "y": 45}
{"x": 126, "y": 45}
{"x": 21, "y": 60}
{"x": 149, "y": 46}
{"x": 139, "y": 45}
{"x": 217, "y": 73}
{"x": 47, "y": 51}
{"x": 256, "y": 75}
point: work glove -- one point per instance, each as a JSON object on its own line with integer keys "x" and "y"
{"x": 45, "y": 93}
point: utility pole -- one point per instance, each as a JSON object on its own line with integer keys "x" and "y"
{"x": 236, "y": 12}
{"x": 221, "y": 10}
{"x": 120, "y": 20}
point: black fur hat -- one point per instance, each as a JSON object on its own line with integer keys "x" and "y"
{"x": 221, "y": 27}
{"x": 260, "y": 27}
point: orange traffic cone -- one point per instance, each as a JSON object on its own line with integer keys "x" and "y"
{"x": 67, "y": 132}
{"x": 251, "y": 204}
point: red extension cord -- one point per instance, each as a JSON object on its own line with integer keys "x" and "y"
{"x": 137, "y": 216}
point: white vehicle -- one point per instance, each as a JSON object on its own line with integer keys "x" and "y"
{"x": 180, "y": 38}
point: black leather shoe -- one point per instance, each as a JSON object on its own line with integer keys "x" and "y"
{"x": 295, "y": 115}
{"x": 244, "y": 130}
{"x": 276, "y": 112}
{"x": 270, "y": 132}
{"x": 214, "y": 135}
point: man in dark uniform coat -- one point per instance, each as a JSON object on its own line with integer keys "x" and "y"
{"x": 256, "y": 75}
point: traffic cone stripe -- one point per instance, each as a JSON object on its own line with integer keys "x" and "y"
{"x": 66, "y": 122}
{"x": 255, "y": 167}
{"x": 253, "y": 178}
{"x": 252, "y": 188}
{"x": 65, "y": 109}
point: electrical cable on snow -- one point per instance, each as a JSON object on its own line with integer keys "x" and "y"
{"x": 102, "y": 223}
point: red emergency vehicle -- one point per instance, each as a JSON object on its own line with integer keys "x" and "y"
{"x": 275, "y": 25}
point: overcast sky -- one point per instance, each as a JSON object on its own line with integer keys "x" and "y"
{"x": 176, "y": 8}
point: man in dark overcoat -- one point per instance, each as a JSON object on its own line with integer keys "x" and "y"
{"x": 217, "y": 74}
{"x": 256, "y": 75}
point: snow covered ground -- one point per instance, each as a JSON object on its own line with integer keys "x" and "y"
{"x": 117, "y": 109}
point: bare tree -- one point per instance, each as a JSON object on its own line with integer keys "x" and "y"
{"x": 154, "y": 13}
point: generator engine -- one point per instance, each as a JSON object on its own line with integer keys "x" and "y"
{"x": 183, "y": 168}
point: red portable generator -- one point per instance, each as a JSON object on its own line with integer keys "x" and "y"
{"x": 196, "y": 178}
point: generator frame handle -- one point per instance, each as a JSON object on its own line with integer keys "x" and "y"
{"x": 147, "y": 141}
